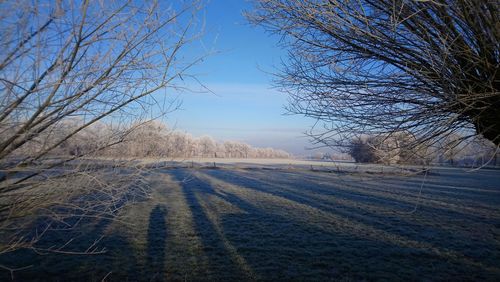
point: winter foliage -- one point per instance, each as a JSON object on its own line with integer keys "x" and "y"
{"x": 399, "y": 148}
{"x": 153, "y": 139}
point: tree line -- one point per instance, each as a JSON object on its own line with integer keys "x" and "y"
{"x": 400, "y": 148}
{"x": 152, "y": 139}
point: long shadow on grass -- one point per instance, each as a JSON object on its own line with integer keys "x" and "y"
{"x": 221, "y": 265}
{"x": 312, "y": 185}
{"x": 305, "y": 189}
{"x": 157, "y": 234}
{"x": 304, "y": 193}
{"x": 278, "y": 247}
{"x": 281, "y": 248}
{"x": 441, "y": 188}
{"x": 363, "y": 192}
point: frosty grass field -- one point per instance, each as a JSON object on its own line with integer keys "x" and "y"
{"x": 290, "y": 222}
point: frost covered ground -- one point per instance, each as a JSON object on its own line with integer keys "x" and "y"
{"x": 279, "y": 221}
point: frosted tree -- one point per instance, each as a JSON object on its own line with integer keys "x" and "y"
{"x": 93, "y": 62}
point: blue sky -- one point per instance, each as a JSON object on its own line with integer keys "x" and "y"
{"x": 243, "y": 105}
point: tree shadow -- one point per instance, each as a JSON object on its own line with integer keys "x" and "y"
{"x": 274, "y": 246}
{"x": 157, "y": 235}
{"x": 285, "y": 238}
{"x": 220, "y": 264}
{"x": 278, "y": 247}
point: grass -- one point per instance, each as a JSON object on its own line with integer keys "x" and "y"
{"x": 282, "y": 224}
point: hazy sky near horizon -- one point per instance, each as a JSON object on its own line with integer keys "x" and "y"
{"x": 243, "y": 106}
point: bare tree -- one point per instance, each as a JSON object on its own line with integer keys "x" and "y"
{"x": 207, "y": 146}
{"x": 399, "y": 148}
{"x": 66, "y": 68}
{"x": 378, "y": 67}
{"x": 361, "y": 151}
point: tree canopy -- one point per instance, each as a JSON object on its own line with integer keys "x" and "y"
{"x": 379, "y": 67}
